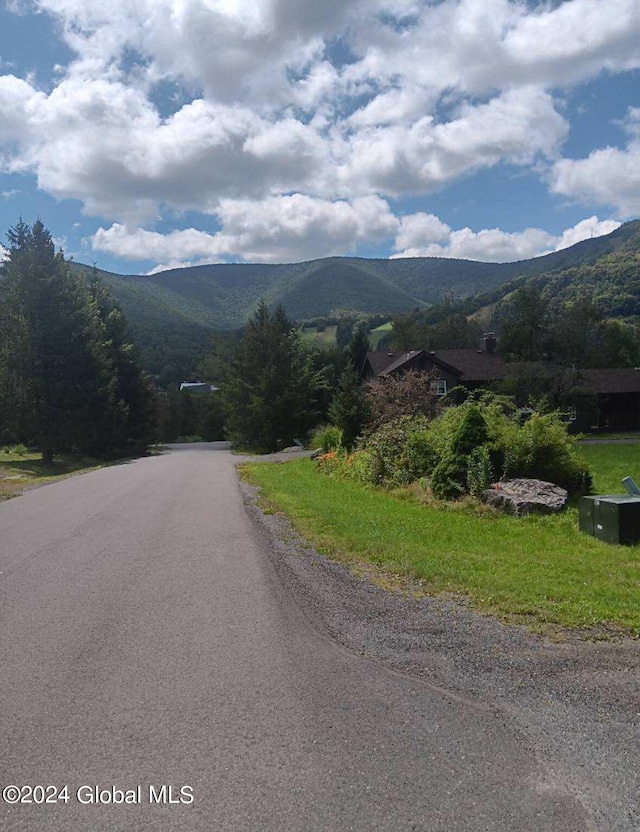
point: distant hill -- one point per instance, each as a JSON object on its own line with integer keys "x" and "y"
{"x": 172, "y": 314}
{"x": 608, "y": 277}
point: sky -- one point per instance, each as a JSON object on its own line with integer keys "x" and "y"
{"x": 150, "y": 134}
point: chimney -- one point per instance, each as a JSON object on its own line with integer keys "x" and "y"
{"x": 488, "y": 342}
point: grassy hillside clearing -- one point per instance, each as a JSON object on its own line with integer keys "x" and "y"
{"x": 538, "y": 571}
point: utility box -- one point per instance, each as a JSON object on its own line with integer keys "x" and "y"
{"x": 614, "y": 518}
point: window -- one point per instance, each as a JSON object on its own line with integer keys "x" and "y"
{"x": 439, "y": 386}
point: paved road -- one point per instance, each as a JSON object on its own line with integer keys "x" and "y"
{"x": 146, "y": 640}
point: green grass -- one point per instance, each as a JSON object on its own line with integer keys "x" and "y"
{"x": 19, "y": 472}
{"x": 541, "y": 571}
{"x": 326, "y": 338}
{"x": 610, "y": 463}
{"x": 378, "y": 333}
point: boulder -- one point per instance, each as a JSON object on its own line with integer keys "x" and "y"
{"x": 526, "y": 496}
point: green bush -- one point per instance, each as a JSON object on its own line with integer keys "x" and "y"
{"x": 326, "y": 437}
{"x": 448, "y": 481}
{"x": 400, "y": 452}
{"x": 479, "y": 471}
{"x": 464, "y": 449}
{"x": 543, "y": 449}
{"x": 450, "y": 477}
{"x": 471, "y": 433}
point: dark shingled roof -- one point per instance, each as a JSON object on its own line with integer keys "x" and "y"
{"x": 474, "y": 365}
{"x": 400, "y": 361}
{"x": 610, "y": 381}
{"x": 479, "y": 366}
{"x": 378, "y": 361}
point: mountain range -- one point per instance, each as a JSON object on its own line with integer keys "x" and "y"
{"x": 172, "y": 314}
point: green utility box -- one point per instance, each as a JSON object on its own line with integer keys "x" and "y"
{"x": 614, "y": 518}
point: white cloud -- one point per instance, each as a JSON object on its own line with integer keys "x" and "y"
{"x": 320, "y": 107}
{"x": 515, "y": 127}
{"x": 496, "y": 44}
{"x": 17, "y": 97}
{"x": 276, "y": 229}
{"x": 422, "y": 235}
{"x": 296, "y": 228}
{"x": 609, "y": 176}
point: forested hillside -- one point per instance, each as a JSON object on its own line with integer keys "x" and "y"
{"x": 172, "y": 314}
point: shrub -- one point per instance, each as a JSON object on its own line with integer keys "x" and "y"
{"x": 400, "y": 452}
{"x": 471, "y": 434}
{"x": 448, "y": 480}
{"x": 329, "y": 463}
{"x": 390, "y": 398}
{"x": 543, "y": 449}
{"x": 539, "y": 447}
{"x": 479, "y": 471}
{"x": 326, "y": 437}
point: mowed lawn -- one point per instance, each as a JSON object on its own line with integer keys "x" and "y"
{"x": 610, "y": 464}
{"x": 541, "y": 571}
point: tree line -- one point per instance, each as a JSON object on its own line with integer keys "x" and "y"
{"x": 70, "y": 378}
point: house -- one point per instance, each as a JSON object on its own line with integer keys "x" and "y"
{"x": 449, "y": 368}
{"x": 197, "y": 387}
{"x": 607, "y": 398}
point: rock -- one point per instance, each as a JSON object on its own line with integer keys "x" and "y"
{"x": 318, "y": 452}
{"x": 526, "y": 496}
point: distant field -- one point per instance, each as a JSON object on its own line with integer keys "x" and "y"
{"x": 378, "y": 333}
{"x": 326, "y": 338}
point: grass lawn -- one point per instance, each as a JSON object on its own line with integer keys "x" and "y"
{"x": 19, "y": 472}
{"x": 540, "y": 571}
{"x": 610, "y": 463}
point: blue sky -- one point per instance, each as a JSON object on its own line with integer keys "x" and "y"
{"x": 153, "y": 133}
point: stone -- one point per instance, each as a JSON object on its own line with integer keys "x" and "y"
{"x": 526, "y": 496}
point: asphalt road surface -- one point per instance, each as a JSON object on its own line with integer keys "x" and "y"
{"x": 146, "y": 640}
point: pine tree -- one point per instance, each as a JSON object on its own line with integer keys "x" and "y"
{"x": 63, "y": 361}
{"x": 131, "y": 420}
{"x": 270, "y": 389}
{"x": 358, "y": 349}
{"x": 349, "y": 410}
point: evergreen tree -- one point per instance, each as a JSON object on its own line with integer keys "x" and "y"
{"x": 349, "y": 410}
{"x": 130, "y": 423}
{"x": 523, "y": 325}
{"x": 358, "y": 349}
{"x": 62, "y": 357}
{"x": 270, "y": 390}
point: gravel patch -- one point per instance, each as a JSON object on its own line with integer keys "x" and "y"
{"x": 576, "y": 702}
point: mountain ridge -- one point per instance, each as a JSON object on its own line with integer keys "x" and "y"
{"x": 185, "y": 306}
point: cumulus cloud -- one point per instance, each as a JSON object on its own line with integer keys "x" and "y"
{"x": 515, "y": 127}
{"x": 609, "y": 176}
{"x": 423, "y": 235}
{"x": 297, "y": 227}
{"x": 320, "y": 108}
{"x": 276, "y": 229}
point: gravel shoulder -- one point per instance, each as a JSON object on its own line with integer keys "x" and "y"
{"x": 576, "y": 702}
